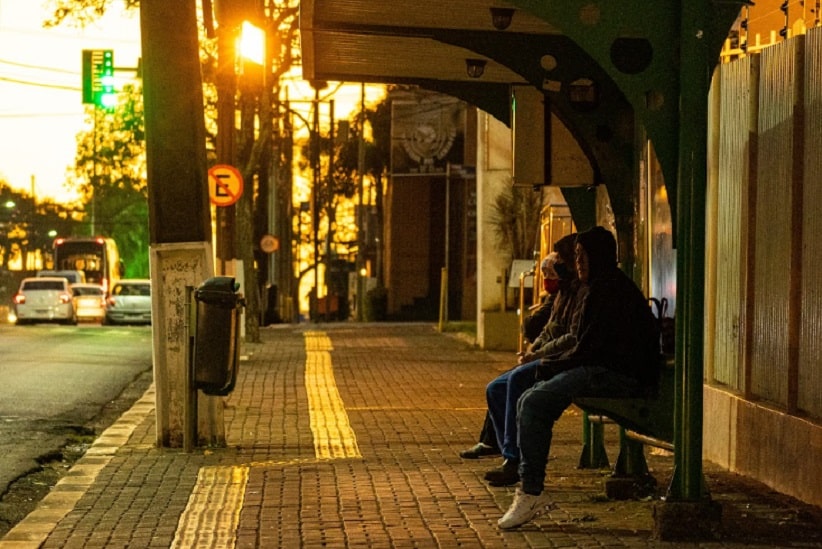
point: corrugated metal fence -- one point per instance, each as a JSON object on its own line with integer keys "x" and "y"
{"x": 766, "y": 338}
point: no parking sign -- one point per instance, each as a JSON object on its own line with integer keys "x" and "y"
{"x": 225, "y": 185}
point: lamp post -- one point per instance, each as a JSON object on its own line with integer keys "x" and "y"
{"x": 360, "y": 265}
{"x": 315, "y": 189}
{"x": 316, "y": 201}
{"x": 226, "y": 85}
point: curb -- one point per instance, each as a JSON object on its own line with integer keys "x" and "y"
{"x": 33, "y": 530}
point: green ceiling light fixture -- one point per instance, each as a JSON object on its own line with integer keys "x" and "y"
{"x": 475, "y": 67}
{"x": 501, "y": 17}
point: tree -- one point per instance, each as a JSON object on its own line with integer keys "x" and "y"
{"x": 110, "y": 162}
{"x": 27, "y": 228}
{"x": 515, "y": 220}
{"x": 258, "y": 143}
{"x": 376, "y": 155}
{"x": 110, "y": 175}
{"x": 82, "y": 12}
{"x": 258, "y": 104}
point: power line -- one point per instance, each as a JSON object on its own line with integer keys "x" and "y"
{"x": 39, "y": 84}
{"x": 39, "y": 67}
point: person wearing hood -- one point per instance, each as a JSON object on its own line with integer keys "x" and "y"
{"x": 557, "y": 336}
{"x": 616, "y": 354}
{"x": 560, "y": 284}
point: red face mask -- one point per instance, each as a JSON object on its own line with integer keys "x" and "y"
{"x": 550, "y": 285}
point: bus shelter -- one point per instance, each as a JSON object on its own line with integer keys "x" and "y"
{"x": 608, "y": 71}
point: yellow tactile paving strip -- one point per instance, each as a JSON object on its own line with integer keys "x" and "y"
{"x": 212, "y": 513}
{"x": 213, "y": 510}
{"x": 333, "y": 436}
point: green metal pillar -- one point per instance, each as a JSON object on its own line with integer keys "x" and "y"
{"x": 694, "y": 79}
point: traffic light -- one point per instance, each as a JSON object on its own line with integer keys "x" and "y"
{"x": 98, "y": 78}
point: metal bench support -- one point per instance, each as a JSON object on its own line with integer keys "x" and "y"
{"x": 631, "y": 478}
{"x": 593, "y": 445}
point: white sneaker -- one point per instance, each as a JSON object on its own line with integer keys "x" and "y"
{"x": 525, "y": 507}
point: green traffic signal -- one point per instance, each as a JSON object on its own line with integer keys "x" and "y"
{"x": 107, "y": 98}
{"x": 98, "y": 78}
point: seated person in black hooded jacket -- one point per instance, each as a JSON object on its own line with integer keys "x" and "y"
{"x": 616, "y": 355}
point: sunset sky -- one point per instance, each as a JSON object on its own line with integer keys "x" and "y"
{"x": 41, "y": 108}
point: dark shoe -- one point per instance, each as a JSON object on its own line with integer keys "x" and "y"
{"x": 505, "y": 475}
{"x": 479, "y": 450}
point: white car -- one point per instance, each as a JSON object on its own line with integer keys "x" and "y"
{"x": 89, "y": 302}
{"x": 74, "y": 277}
{"x": 129, "y": 302}
{"x": 44, "y": 299}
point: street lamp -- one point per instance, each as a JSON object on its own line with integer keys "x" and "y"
{"x": 251, "y": 47}
{"x": 252, "y": 43}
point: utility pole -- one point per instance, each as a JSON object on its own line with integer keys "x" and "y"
{"x": 360, "y": 265}
{"x": 226, "y": 84}
{"x": 315, "y": 203}
{"x": 179, "y": 220}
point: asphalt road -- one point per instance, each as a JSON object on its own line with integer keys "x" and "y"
{"x": 55, "y": 380}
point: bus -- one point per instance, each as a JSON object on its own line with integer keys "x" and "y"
{"x": 98, "y": 258}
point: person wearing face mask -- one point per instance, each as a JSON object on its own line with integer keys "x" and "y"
{"x": 531, "y": 328}
{"x": 533, "y": 324}
{"x": 557, "y": 336}
{"x": 533, "y": 331}
{"x": 560, "y": 281}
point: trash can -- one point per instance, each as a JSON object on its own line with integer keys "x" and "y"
{"x": 216, "y": 341}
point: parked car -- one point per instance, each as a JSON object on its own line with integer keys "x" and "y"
{"x": 129, "y": 302}
{"x": 44, "y": 299}
{"x": 89, "y": 302}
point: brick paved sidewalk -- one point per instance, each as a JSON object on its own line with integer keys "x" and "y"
{"x": 346, "y": 435}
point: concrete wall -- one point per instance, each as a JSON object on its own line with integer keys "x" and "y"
{"x": 761, "y": 442}
{"x": 493, "y": 176}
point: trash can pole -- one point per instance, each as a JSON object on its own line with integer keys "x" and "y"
{"x": 190, "y": 401}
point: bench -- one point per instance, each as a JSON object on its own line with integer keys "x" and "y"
{"x": 642, "y": 421}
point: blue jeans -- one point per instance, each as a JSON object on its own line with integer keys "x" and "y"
{"x": 543, "y": 404}
{"x": 502, "y": 395}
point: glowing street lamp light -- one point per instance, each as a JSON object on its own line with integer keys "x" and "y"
{"x": 252, "y": 43}
{"x": 251, "y": 46}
